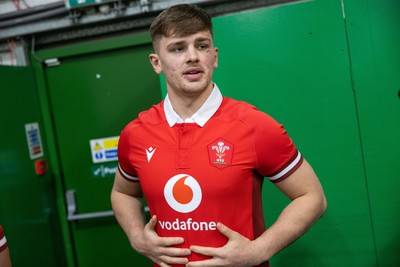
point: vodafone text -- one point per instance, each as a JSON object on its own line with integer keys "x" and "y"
{"x": 189, "y": 224}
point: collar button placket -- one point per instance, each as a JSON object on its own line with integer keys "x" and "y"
{"x": 185, "y": 140}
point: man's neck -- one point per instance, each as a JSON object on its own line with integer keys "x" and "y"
{"x": 187, "y": 105}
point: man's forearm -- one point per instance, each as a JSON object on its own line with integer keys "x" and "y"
{"x": 292, "y": 223}
{"x": 129, "y": 214}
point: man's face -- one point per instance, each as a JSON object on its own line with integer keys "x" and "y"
{"x": 187, "y": 62}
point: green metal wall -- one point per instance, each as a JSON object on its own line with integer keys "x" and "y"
{"x": 374, "y": 41}
{"x": 292, "y": 62}
{"x": 333, "y": 82}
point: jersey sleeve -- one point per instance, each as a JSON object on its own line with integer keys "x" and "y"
{"x": 276, "y": 155}
{"x": 3, "y": 240}
{"x": 125, "y": 155}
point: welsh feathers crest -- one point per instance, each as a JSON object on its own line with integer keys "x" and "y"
{"x": 220, "y": 153}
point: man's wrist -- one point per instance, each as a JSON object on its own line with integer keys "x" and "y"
{"x": 260, "y": 251}
{"x": 136, "y": 239}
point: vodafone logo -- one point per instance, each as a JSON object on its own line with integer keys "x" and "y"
{"x": 183, "y": 193}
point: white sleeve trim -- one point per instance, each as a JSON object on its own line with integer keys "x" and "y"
{"x": 287, "y": 169}
{"x": 127, "y": 176}
{"x": 3, "y": 241}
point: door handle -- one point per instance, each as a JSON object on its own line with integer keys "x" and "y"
{"x": 74, "y": 216}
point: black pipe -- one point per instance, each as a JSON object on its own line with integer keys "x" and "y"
{"x": 33, "y": 17}
{"x": 31, "y": 10}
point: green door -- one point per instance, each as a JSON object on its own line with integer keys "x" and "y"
{"x": 28, "y": 211}
{"x": 92, "y": 97}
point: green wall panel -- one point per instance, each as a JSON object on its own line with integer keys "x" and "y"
{"x": 374, "y": 40}
{"x": 292, "y": 62}
{"x": 28, "y": 212}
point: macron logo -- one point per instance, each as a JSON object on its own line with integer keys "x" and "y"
{"x": 150, "y": 152}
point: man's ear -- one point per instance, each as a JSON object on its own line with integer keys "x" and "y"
{"x": 216, "y": 58}
{"x": 156, "y": 63}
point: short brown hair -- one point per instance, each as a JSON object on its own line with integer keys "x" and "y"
{"x": 180, "y": 20}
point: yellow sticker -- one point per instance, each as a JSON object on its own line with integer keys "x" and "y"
{"x": 104, "y": 149}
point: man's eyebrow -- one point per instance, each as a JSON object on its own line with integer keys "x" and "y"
{"x": 173, "y": 44}
{"x": 202, "y": 39}
{"x": 179, "y": 43}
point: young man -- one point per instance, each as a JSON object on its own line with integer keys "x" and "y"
{"x": 199, "y": 159}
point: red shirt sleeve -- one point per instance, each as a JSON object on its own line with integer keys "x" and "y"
{"x": 276, "y": 155}
{"x": 125, "y": 154}
{"x": 3, "y": 240}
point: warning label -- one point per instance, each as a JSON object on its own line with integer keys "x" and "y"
{"x": 104, "y": 149}
{"x": 34, "y": 141}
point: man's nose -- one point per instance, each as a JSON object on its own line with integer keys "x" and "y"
{"x": 192, "y": 55}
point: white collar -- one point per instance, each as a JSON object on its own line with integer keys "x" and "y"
{"x": 205, "y": 112}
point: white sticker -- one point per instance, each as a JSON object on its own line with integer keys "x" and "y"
{"x": 34, "y": 140}
{"x": 104, "y": 149}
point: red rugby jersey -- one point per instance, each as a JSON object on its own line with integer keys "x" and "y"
{"x": 193, "y": 177}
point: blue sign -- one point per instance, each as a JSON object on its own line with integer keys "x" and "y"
{"x": 112, "y": 153}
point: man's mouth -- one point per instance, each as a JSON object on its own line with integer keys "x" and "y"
{"x": 193, "y": 73}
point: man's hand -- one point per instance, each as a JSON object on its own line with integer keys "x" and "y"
{"x": 238, "y": 251}
{"x": 159, "y": 249}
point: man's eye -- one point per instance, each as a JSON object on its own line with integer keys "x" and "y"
{"x": 203, "y": 47}
{"x": 178, "y": 49}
